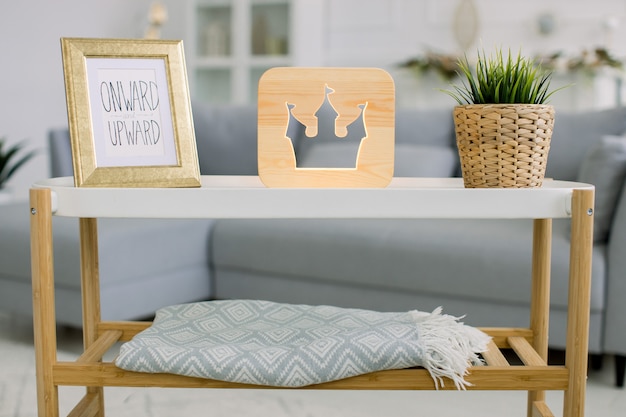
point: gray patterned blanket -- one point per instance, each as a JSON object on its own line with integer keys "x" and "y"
{"x": 266, "y": 343}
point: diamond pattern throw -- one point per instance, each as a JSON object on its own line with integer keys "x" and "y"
{"x": 266, "y": 343}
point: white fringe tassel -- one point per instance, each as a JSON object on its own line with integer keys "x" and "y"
{"x": 450, "y": 347}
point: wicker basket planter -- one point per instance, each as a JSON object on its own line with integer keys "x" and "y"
{"x": 503, "y": 145}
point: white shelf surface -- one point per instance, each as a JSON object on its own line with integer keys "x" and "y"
{"x": 247, "y": 197}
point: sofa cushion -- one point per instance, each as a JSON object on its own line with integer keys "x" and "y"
{"x": 492, "y": 258}
{"x": 605, "y": 167}
{"x": 425, "y": 127}
{"x": 129, "y": 248}
{"x": 410, "y": 160}
{"x": 226, "y": 138}
{"x": 575, "y": 133}
{"x": 327, "y": 155}
{"x": 424, "y": 161}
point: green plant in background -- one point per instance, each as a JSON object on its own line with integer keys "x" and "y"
{"x": 446, "y": 66}
{"x": 588, "y": 62}
{"x": 10, "y": 160}
{"x": 502, "y": 80}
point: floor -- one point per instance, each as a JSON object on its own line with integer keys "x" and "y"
{"x": 18, "y": 395}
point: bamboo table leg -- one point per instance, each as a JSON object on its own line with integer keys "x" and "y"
{"x": 540, "y": 296}
{"x": 44, "y": 321}
{"x": 90, "y": 286}
{"x": 579, "y": 302}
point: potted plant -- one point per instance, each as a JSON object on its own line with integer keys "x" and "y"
{"x": 503, "y": 125}
{"x": 11, "y": 160}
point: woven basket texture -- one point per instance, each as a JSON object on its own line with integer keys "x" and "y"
{"x": 503, "y": 145}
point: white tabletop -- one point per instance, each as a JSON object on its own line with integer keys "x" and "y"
{"x": 247, "y": 197}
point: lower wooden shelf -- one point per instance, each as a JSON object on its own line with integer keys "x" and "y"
{"x": 492, "y": 378}
{"x": 498, "y": 374}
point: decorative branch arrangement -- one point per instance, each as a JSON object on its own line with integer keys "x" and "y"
{"x": 11, "y": 160}
{"x": 588, "y": 62}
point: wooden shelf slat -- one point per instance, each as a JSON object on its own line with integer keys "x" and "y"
{"x": 128, "y": 328}
{"x": 500, "y": 335}
{"x": 525, "y": 351}
{"x": 493, "y": 356}
{"x": 103, "y": 343}
{"x": 88, "y": 406}
{"x": 540, "y": 409}
{"x": 482, "y": 378}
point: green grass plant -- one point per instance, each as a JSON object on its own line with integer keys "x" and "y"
{"x": 10, "y": 161}
{"x": 501, "y": 80}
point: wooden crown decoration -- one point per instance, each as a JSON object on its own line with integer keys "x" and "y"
{"x": 326, "y": 127}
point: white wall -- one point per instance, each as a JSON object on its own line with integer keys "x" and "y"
{"x": 386, "y": 33}
{"x": 375, "y": 31}
{"x": 32, "y": 92}
{"x": 358, "y": 32}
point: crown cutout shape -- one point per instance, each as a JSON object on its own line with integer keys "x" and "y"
{"x": 326, "y": 127}
{"x": 326, "y": 135}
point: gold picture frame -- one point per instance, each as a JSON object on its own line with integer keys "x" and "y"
{"x": 129, "y": 113}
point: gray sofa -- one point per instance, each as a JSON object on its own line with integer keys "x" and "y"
{"x": 479, "y": 269}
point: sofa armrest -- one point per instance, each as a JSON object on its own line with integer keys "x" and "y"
{"x": 60, "y": 153}
{"x": 615, "y": 330}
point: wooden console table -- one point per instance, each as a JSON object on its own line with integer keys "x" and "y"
{"x": 246, "y": 197}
